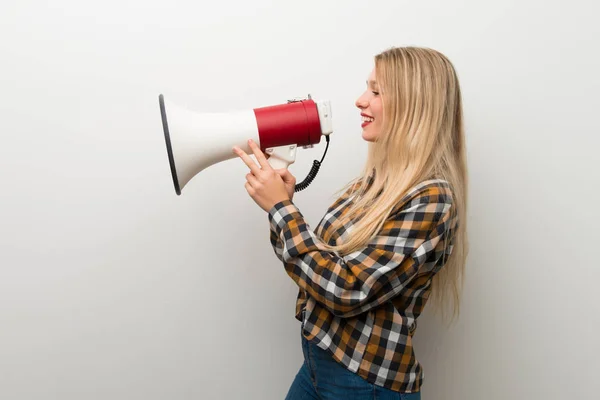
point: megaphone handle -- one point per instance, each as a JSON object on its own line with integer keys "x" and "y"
{"x": 282, "y": 156}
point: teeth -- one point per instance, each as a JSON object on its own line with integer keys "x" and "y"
{"x": 368, "y": 119}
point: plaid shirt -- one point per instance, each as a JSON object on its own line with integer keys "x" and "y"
{"x": 363, "y": 307}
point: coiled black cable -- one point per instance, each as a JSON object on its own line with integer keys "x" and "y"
{"x": 313, "y": 171}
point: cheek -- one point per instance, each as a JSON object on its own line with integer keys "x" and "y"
{"x": 377, "y": 108}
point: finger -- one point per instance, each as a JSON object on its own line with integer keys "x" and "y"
{"x": 253, "y": 180}
{"x": 247, "y": 159}
{"x": 260, "y": 156}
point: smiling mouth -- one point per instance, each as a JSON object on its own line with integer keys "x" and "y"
{"x": 366, "y": 120}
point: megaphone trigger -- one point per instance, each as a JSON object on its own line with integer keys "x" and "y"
{"x": 281, "y": 156}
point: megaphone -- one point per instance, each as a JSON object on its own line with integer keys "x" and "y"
{"x": 195, "y": 141}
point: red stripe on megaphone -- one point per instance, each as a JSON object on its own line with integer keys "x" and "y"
{"x": 292, "y": 123}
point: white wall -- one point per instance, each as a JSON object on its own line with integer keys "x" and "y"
{"x": 112, "y": 287}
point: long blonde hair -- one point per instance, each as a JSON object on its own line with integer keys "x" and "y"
{"x": 422, "y": 137}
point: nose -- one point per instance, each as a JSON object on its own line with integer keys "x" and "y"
{"x": 361, "y": 102}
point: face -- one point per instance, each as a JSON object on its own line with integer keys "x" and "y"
{"x": 371, "y": 109}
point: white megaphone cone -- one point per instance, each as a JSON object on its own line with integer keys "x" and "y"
{"x": 196, "y": 141}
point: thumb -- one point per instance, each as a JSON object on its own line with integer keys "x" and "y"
{"x": 286, "y": 175}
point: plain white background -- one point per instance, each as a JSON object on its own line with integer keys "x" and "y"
{"x": 113, "y": 287}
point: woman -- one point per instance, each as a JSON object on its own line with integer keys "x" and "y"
{"x": 361, "y": 290}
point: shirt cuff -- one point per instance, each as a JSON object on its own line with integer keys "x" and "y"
{"x": 281, "y": 213}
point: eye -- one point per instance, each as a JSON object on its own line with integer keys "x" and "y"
{"x": 375, "y": 93}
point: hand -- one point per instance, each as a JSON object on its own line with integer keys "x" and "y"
{"x": 289, "y": 180}
{"x": 264, "y": 184}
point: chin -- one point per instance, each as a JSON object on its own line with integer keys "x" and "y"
{"x": 370, "y": 133}
{"x": 368, "y": 138}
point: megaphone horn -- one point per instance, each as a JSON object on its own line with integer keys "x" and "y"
{"x": 196, "y": 141}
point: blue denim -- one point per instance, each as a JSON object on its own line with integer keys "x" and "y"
{"x": 323, "y": 378}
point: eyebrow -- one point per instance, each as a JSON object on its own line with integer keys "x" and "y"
{"x": 372, "y": 83}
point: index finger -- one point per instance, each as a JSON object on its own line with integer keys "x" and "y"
{"x": 247, "y": 160}
{"x": 260, "y": 156}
